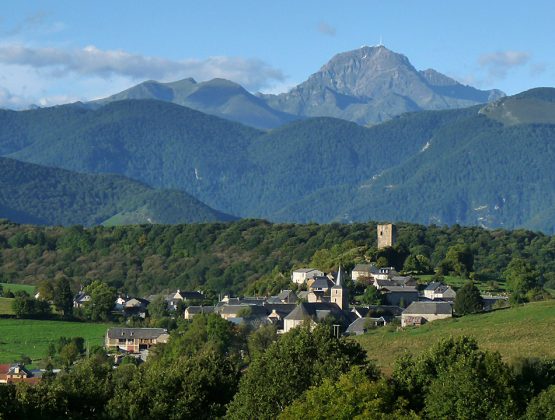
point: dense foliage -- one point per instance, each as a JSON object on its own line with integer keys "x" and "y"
{"x": 301, "y": 374}
{"x": 48, "y": 196}
{"x": 252, "y": 256}
{"x": 424, "y": 167}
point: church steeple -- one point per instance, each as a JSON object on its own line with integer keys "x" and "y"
{"x": 339, "y": 293}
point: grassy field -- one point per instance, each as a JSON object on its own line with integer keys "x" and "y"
{"x": 15, "y": 287}
{"x": 458, "y": 282}
{"x": 31, "y": 337}
{"x": 523, "y": 331}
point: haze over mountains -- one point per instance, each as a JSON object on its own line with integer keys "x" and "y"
{"x": 488, "y": 164}
{"x": 367, "y": 85}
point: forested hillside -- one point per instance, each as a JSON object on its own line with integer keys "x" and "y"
{"x": 471, "y": 166}
{"x": 252, "y": 256}
{"x": 49, "y": 196}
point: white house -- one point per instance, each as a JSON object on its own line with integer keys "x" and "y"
{"x": 437, "y": 290}
{"x": 301, "y": 275}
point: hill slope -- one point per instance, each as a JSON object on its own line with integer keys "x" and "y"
{"x": 522, "y": 331}
{"x": 36, "y": 194}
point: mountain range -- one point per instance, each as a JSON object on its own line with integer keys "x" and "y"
{"x": 486, "y": 160}
{"x": 488, "y": 164}
{"x": 368, "y": 85}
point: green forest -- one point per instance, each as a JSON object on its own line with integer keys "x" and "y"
{"x": 257, "y": 257}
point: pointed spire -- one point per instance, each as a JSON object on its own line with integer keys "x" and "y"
{"x": 338, "y": 281}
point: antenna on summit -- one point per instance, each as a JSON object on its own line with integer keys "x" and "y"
{"x": 381, "y": 43}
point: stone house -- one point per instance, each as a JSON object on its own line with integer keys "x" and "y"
{"x": 134, "y": 340}
{"x": 419, "y": 313}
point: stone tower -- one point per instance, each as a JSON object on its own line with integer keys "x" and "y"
{"x": 339, "y": 293}
{"x": 387, "y": 235}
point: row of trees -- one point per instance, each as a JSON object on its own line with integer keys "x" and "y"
{"x": 253, "y": 256}
{"x": 211, "y": 369}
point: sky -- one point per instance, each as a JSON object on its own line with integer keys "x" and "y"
{"x": 54, "y": 52}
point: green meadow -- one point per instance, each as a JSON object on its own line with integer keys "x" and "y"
{"x": 31, "y": 337}
{"x": 522, "y": 331}
{"x": 17, "y": 287}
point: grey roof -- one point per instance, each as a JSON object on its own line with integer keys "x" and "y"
{"x": 148, "y": 333}
{"x": 315, "y": 310}
{"x": 433, "y": 285}
{"x": 360, "y": 325}
{"x": 191, "y": 295}
{"x": 385, "y": 283}
{"x": 304, "y": 270}
{"x": 368, "y": 268}
{"x": 288, "y": 296}
{"x": 400, "y": 289}
{"x": 424, "y": 308}
{"x": 255, "y": 310}
{"x": 321, "y": 283}
{"x": 200, "y": 309}
{"x": 303, "y": 294}
{"x": 282, "y": 309}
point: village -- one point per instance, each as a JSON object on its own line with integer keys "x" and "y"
{"x": 318, "y": 297}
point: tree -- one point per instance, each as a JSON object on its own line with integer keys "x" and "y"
{"x": 468, "y": 300}
{"x": 63, "y": 296}
{"x": 451, "y": 373}
{"x": 259, "y": 340}
{"x": 354, "y": 395}
{"x": 543, "y": 406}
{"x": 417, "y": 264}
{"x": 521, "y": 278}
{"x": 298, "y": 360}
{"x": 25, "y": 306}
{"x": 372, "y": 296}
{"x": 459, "y": 259}
{"x": 158, "y": 308}
{"x": 102, "y": 301}
{"x": 197, "y": 386}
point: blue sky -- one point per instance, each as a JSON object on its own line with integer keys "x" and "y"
{"x": 59, "y": 51}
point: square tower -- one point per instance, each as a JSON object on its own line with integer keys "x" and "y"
{"x": 387, "y": 235}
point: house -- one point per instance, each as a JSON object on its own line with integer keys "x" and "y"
{"x": 404, "y": 280}
{"x": 16, "y": 372}
{"x": 242, "y": 310}
{"x": 301, "y": 275}
{"x": 385, "y": 273}
{"x": 134, "y": 340}
{"x": 419, "y": 313}
{"x": 361, "y": 325}
{"x": 400, "y": 295}
{"x": 80, "y": 299}
{"x": 363, "y": 271}
{"x": 278, "y": 312}
{"x": 313, "y": 313}
{"x": 387, "y": 312}
{"x": 437, "y": 290}
{"x": 285, "y": 296}
{"x": 135, "y": 307}
{"x": 191, "y": 311}
{"x": 173, "y": 299}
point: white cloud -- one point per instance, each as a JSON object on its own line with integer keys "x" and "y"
{"x": 499, "y": 63}
{"x": 90, "y": 61}
{"x": 326, "y": 29}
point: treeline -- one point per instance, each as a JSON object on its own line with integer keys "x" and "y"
{"x": 212, "y": 369}
{"x": 255, "y": 256}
